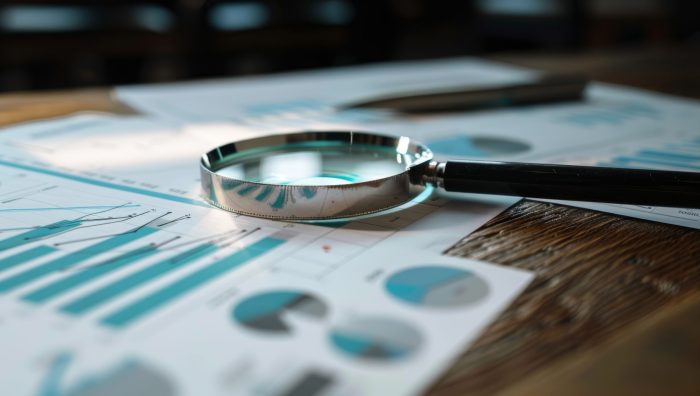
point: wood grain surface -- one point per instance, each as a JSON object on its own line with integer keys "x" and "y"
{"x": 595, "y": 275}
{"x": 600, "y": 279}
{"x": 661, "y": 356}
{"x": 21, "y": 107}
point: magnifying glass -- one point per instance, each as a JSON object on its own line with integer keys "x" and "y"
{"x": 339, "y": 174}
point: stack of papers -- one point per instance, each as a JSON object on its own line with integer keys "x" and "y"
{"x": 115, "y": 276}
{"x": 614, "y": 126}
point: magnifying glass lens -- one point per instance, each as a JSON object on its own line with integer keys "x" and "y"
{"x": 312, "y": 175}
{"x": 316, "y": 164}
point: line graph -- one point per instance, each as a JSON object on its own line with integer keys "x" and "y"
{"x": 72, "y": 259}
{"x": 91, "y": 254}
{"x": 78, "y": 279}
{"x": 68, "y": 208}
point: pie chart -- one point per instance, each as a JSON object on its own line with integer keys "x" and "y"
{"x": 376, "y": 338}
{"x": 132, "y": 378}
{"x": 129, "y": 377}
{"x": 437, "y": 286}
{"x": 266, "y": 312}
{"x": 477, "y": 146}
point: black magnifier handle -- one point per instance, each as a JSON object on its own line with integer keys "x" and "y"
{"x": 571, "y": 182}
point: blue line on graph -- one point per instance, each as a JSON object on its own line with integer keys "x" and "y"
{"x": 65, "y": 208}
{"x": 69, "y": 283}
{"x": 134, "y": 280}
{"x": 72, "y": 259}
{"x": 100, "y": 183}
{"x": 132, "y": 312}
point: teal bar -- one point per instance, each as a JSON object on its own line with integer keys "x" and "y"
{"x": 25, "y": 256}
{"x": 71, "y": 282}
{"x": 101, "y": 183}
{"x": 132, "y": 312}
{"x": 641, "y": 160}
{"x": 38, "y": 233}
{"x": 673, "y": 156}
{"x": 72, "y": 259}
{"x": 53, "y": 208}
{"x": 132, "y": 281}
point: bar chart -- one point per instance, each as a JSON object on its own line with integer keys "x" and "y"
{"x": 54, "y": 250}
{"x": 615, "y": 114}
{"x": 680, "y": 152}
{"x": 71, "y": 259}
{"x": 683, "y": 155}
{"x": 136, "y": 310}
{"x": 208, "y": 251}
{"x": 121, "y": 286}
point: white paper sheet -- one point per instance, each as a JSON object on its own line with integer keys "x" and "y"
{"x": 162, "y": 314}
{"x": 283, "y": 99}
{"x": 115, "y": 277}
{"x": 615, "y": 126}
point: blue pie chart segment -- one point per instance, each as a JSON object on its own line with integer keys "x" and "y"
{"x": 437, "y": 286}
{"x": 266, "y": 311}
{"x": 376, "y": 338}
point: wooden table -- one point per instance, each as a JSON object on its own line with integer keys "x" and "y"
{"x": 615, "y": 306}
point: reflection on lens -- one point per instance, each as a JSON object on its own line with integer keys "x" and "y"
{"x": 318, "y": 165}
{"x": 314, "y": 175}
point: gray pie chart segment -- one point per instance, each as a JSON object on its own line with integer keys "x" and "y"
{"x": 376, "y": 339}
{"x": 133, "y": 378}
{"x": 265, "y": 311}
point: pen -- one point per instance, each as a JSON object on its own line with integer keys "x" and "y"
{"x": 546, "y": 89}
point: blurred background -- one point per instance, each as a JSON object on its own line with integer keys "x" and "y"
{"x": 52, "y": 44}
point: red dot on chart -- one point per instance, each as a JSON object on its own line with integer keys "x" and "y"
{"x": 326, "y": 248}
